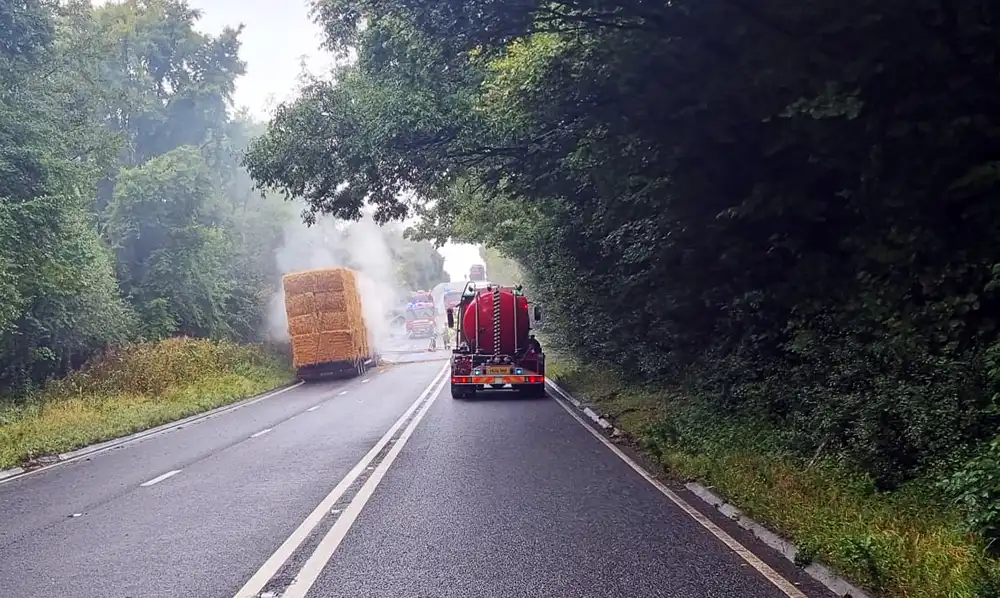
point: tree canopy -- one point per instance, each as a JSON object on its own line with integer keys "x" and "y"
{"x": 786, "y": 208}
{"x": 125, "y": 213}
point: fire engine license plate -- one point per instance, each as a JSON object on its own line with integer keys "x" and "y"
{"x": 497, "y": 371}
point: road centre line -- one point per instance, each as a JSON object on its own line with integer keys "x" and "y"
{"x": 314, "y": 566}
{"x": 313, "y": 408}
{"x": 342, "y": 393}
{"x": 786, "y": 587}
{"x": 160, "y": 478}
{"x": 261, "y": 433}
{"x": 270, "y": 568}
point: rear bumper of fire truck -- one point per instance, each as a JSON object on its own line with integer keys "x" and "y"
{"x": 516, "y": 380}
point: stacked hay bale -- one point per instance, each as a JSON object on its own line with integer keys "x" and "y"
{"x": 324, "y": 317}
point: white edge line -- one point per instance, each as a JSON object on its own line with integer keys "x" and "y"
{"x": 316, "y": 562}
{"x": 261, "y": 433}
{"x": 9, "y": 473}
{"x": 101, "y": 447}
{"x": 342, "y": 393}
{"x": 313, "y": 408}
{"x": 787, "y": 587}
{"x": 818, "y": 571}
{"x": 160, "y": 478}
{"x": 270, "y": 568}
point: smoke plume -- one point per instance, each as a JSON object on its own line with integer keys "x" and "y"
{"x": 360, "y": 246}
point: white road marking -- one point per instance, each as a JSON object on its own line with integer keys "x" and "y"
{"x": 160, "y": 478}
{"x": 787, "y": 587}
{"x": 270, "y": 568}
{"x": 261, "y": 433}
{"x": 366, "y": 381}
{"x": 314, "y": 565}
{"x": 118, "y": 443}
{"x": 342, "y": 393}
{"x": 314, "y": 408}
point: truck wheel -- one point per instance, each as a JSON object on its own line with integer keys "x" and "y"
{"x": 457, "y": 392}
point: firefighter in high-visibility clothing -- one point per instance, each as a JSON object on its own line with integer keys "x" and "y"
{"x": 446, "y": 337}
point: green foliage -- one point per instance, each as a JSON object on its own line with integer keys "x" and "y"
{"x": 60, "y": 299}
{"x": 171, "y": 257}
{"x": 905, "y": 543}
{"x": 124, "y": 212}
{"x": 787, "y": 209}
{"x": 500, "y": 269}
{"x": 133, "y": 388}
{"x": 977, "y": 488}
{"x": 418, "y": 264}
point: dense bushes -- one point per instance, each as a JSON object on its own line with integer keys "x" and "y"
{"x": 154, "y": 368}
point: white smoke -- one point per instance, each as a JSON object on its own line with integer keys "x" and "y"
{"x": 378, "y": 282}
{"x": 360, "y": 246}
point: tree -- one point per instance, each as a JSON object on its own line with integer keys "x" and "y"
{"x": 60, "y": 299}
{"x": 129, "y": 90}
{"x": 782, "y": 207}
{"x": 164, "y": 85}
{"x": 162, "y": 225}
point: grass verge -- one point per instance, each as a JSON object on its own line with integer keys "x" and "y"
{"x": 134, "y": 389}
{"x": 899, "y": 544}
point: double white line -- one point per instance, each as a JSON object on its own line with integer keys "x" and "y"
{"x": 313, "y": 566}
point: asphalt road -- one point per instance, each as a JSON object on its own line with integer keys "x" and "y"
{"x": 377, "y": 487}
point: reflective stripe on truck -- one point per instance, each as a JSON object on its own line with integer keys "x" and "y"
{"x": 498, "y": 380}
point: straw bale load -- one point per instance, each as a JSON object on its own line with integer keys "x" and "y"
{"x": 324, "y": 317}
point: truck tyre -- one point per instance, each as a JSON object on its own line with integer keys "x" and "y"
{"x": 457, "y": 392}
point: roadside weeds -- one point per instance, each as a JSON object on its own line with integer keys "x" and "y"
{"x": 899, "y": 544}
{"x": 133, "y": 390}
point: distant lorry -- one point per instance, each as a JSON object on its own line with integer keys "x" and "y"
{"x": 477, "y": 272}
{"x": 494, "y": 347}
{"x": 325, "y": 322}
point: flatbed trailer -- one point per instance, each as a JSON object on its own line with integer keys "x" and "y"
{"x": 336, "y": 369}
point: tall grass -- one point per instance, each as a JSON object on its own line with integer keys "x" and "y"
{"x": 899, "y": 544}
{"x": 134, "y": 388}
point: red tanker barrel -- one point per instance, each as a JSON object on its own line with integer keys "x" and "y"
{"x": 484, "y": 303}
